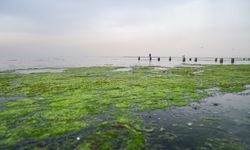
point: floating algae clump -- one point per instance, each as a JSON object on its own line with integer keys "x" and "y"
{"x": 45, "y": 110}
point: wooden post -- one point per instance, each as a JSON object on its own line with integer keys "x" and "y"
{"x": 183, "y": 59}
{"x": 221, "y": 60}
{"x": 215, "y": 59}
{"x": 170, "y": 58}
{"x": 195, "y": 59}
{"x": 190, "y": 59}
{"x": 159, "y": 59}
{"x": 232, "y": 60}
{"x": 139, "y": 58}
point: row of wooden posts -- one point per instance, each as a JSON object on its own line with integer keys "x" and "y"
{"x": 221, "y": 60}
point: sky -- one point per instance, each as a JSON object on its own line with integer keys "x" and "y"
{"x": 49, "y": 28}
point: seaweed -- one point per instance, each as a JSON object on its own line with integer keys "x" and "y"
{"x": 54, "y": 105}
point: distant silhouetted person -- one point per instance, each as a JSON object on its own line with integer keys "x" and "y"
{"x": 183, "y": 59}
{"x": 159, "y": 59}
{"x": 170, "y": 58}
{"x": 221, "y": 60}
{"x": 232, "y": 60}
{"x": 150, "y": 56}
{"x": 215, "y": 59}
{"x": 139, "y": 58}
{"x": 195, "y": 59}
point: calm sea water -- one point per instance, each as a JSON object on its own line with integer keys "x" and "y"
{"x": 15, "y": 63}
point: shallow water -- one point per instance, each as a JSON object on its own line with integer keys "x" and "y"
{"x": 30, "y": 71}
{"x": 223, "y": 118}
{"x": 123, "y": 69}
{"x": 2, "y": 98}
{"x": 18, "y": 63}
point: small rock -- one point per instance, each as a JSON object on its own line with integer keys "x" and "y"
{"x": 215, "y": 104}
{"x": 78, "y": 138}
{"x": 190, "y": 123}
{"x": 195, "y": 106}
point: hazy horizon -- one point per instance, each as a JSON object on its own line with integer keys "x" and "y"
{"x": 56, "y": 28}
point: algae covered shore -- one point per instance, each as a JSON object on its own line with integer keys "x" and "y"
{"x": 104, "y": 107}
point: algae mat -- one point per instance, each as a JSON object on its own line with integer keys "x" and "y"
{"x": 100, "y": 107}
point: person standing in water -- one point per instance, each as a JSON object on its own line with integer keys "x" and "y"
{"x": 139, "y": 58}
{"x": 150, "y": 56}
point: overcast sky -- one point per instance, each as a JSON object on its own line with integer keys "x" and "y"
{"x": 124, "y": 27}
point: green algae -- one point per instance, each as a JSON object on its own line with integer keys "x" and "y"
{"x": 52, "y": 105}
{"x": 123, "y": 133}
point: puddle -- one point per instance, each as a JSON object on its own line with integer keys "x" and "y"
{"x": 198, "y": 72}
{"x": 247, "y": 91}
{"x": 14, "y": 98}
{"x": 1, "y": 103}
{"x": 213, "y": 91}
{"x": 123, "y": 69}
{"x": 217, "y": 119}
{"x": 161, "y": 68}
{"x": 30, "y": 71}
{"x": 190, "y": 66}
{"x": 247, "y": 86}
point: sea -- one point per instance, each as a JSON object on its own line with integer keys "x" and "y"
{"x": 83, "y": 61}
